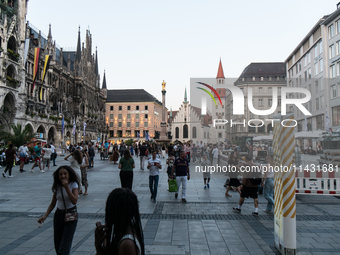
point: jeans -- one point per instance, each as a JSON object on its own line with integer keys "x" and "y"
{"x": 53, "y": 158}
{"x": 63, "y": 233}
{"x": 182, "y": 180}
{"x": 269, "y": 193}
{"x": 141, "y": 158}
{"x": 153, "y": 184}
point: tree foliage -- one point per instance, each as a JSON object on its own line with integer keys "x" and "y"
{"x": 19, "y": 136}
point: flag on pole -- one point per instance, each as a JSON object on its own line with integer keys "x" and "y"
{"x": 36, "y": 66}
{"x": 84, "y": 128}
{"x": 138, "y": 136}
{"x": 149, "y": 137}
{"x": 146, "y": 136}
{"x": 46, "y": 66}
{"x": 62, "y": 125}
{"x": 327, "y": 122}
{"x": 74, "y": 128}
{"x": 27, "y": 44}
{"x": 306, "y": 126}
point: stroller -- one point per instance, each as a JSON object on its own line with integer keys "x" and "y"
{"x": 103, "y": 154}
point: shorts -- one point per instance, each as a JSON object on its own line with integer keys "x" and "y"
{"x": 234, "y": 182}
{"x": 46, "y": 161}
{"x": 22, "y": 159}
{"x": 249, "y": 192}
{"x": 91, "y": 159}
{"x": 37, "y": 160}
{"x": 206, "y": 175}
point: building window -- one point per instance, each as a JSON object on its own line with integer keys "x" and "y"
{"x": 333, "y": 91}
{"x": 177, "y": 132}
{"x": 316, "y": 104}
{"x": 253, "y": 78}
{"x": 120, "y": 116}
{"x": 331, "y": 31}
{"x": 146, "y": 124}
{"x": 120, "y": 108}
{"x": 260, "y": 102}
{"x": 111, "y": 124}
{"x": 111, "y": 108}
{"x": 111, "y": 133}
{"x": 316, "y": 51}
{"x": 309, "y": 73}
{"x": 321, "y": 65}
{"x": 129, "y": 108}
{"x": 146, "y": 108}
{"x": 336, "y": 115}
{"x": 322, "y": 102}
{"x": 194, "y": 132}
{"x": 270, "y": 90}
{"x": 219, "y": 135}
{"x": 337, "y": 26}
{"x": 128, "y": 124}
{"x": 332, "y": 71}
{"x": 332, "y": 51}
{"x": 119, "y": 124}
{"x": 306, "y": 76}
{"x": 137, "y": 124}
{"x": 185, "y": 131}
{"x": 260, "y": 90}
{"x": 279, "y": 90}
{"x": 111, "y": 116}
{"x": 137, "y": 107}
{"x": 137, "y": 116}
{"x": 279, "y": 102}
{"x": 309, "y": 57}
{"x": 316, "y": 68}
{"x": 128, "y": 116}
{"x": 320, "y": 46}
{"x": 145, "y": 116}
{"x": 321, "y": 84}
{"x": 270, "y": 102}
{"x": 316, "y": 86}
{"x": 119, "y": 133}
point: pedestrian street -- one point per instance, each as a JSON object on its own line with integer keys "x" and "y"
{"x": 206, "y": 224}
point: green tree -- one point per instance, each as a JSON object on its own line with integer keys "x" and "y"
{"x": 19, "y": 136}
{"x": 128, "y": 142}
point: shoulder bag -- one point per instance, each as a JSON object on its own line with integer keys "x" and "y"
{"x": 70, "y": 214}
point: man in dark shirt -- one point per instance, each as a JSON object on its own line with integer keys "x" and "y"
{"x": 142, "y": 150}
{"x": 11, "y": 156}
{"x": 181, "y": 167}
{"x": 91, "y": 155}
{"x": 170, "y": 148}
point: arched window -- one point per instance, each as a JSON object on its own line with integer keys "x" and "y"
{"x": 194, "y": 132}
{"x": 177, "y": 132}
{"x": 185, "y": 131}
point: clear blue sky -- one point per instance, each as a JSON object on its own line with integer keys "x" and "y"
{"x": 142, "y": 43}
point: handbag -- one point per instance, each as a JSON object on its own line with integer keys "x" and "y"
{"x": 173, "y": 185}
{"x": 70, "y": 214}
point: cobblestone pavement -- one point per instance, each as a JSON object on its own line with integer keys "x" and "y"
{"x": 204, "y": 225}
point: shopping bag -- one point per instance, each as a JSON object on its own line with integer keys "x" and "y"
{"x": 173, "y": 185}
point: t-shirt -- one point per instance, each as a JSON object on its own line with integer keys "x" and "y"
{"x": 142, "y": 150}
{"x": 48, "y": 152}
{"x": 171, "y": 161}
{"x": 52, "y": 148}
{"x": 10, "y": 155}
{"x": 154, "y": 170}
{"x": 194, "y": 149}
{"x": 215, "y": 153}
{"x": 22, "y": 151}
{"x": 126, "y": 165}
{"x": 91, "y": 152}
{"x": 37, "y": 151}
{"x": 170, "y": 148}
{"x": 60, "y": 204}
{"x": 181, "y": 167}
{"x": 74, "y": 163}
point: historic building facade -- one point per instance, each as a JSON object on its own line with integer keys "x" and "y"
{"x": 262, "y": 78}
{"x": 130, "y": 112}
{"x": 71, "y": 88}
{"x": 12, "y": 73}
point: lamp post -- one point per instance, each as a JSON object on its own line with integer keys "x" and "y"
{"x": 107, "y": 131}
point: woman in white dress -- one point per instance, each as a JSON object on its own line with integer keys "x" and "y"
{"x": 76, "y": 159}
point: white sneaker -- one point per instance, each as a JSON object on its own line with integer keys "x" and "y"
{"x": 42, "y": 171}
{"x": 32, "y": 171}
{"x": 10, "y": 176}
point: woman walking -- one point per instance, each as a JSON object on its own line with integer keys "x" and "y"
{"x": 234, "y": 182}
{"x": 76, "y": 159}
{"x": 65, "y": 195}
{"x": 123, "y": 232}
{"x": 126, "y": 166}
{"x": 268, "y": 185}
{"x": 83, "y": 170}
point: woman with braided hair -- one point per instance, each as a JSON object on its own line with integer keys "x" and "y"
{"x": 122, "y": 232}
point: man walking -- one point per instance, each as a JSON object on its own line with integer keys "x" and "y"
{"x": 181, "y": 168}
{"x": 154, "y": 165}
{"x": 36, "y": 156}
{"x": 53, "y": 153}
{"x": 11, "y": 156}
{"x": 215, "y": 153}
{"x": 22, "y": 155}
{"x": 91, "y": 155}
{"x": 142, "y": 150}
{"x": 249, "y": 188}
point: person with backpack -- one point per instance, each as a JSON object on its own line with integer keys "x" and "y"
{"x": 249, "y": 186}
